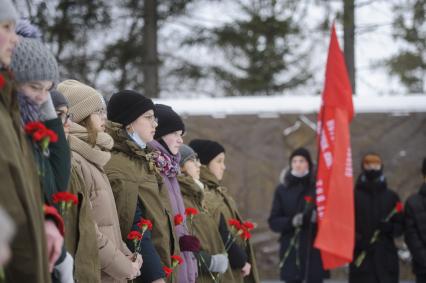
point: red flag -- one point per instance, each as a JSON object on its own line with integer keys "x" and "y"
{"x": 335, "y": 198}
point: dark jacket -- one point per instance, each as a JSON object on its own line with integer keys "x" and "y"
{"x": 289, "y": 199}
{"x": 20, "y": 194}
{"x": 373, "y": 203}
{"x": 415, "y": 229}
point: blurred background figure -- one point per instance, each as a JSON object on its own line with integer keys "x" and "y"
{"x": 374, "y": 202}
{"x": 415, "y": 233}
{"x": 293, "y": 215}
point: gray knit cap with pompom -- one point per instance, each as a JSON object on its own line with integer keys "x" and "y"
{"x": 31, "y": 59}
{"x": 8, "y": 11}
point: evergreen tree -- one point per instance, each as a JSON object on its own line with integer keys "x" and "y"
{"x": 409, "y": 65}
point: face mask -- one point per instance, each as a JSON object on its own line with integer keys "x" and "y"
{"x": 372, "y": 175}
{"x": 135, "y": 137}
{"x": 299, "y": 175}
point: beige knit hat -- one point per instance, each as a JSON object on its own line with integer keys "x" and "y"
{"x": 83, "y": 100}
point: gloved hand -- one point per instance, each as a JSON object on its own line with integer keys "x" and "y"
{"x": 385, "y": 227}
{"x": 219, "y": 263}
{"x": 47, "y": 110}
{"x": 297, "y": 220}
{"x": 189, "y": 243}
{"x": 65, "y": 269}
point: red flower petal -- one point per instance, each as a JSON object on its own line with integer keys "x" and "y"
{"x": 248, "y": 225}
{"x": 191, "y": 211}
{"x": 134, "y": 235}
{"x": 178, "y": 219}
{"x": 399, "y": 207}
{"x": 308, "y": 199}
{"x": 168, "y": 271}
{"x": 234, "y": 223}
{"x": 2, "y": 81}
{"x": 53, "y": 137}
{"x": 245, "y": 235}
{"x": 177, "y": 259}
{"x": 145, "y": 223}
{"x": 32, "y": 127}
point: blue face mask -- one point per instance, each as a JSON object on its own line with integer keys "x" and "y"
{"x": 135, "y": 137}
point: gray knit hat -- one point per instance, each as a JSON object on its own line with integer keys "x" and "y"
{"x": 83, "y": 100}
{"x": 8, "y": 11}
{"x": 186, "y": 153}
{"x": 31, "y": 59}
{"x": 58, "y": 99}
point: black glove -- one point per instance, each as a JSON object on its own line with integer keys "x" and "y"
{"x": 385, "y": 227}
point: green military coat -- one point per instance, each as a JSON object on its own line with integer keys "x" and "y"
{"x": 20, "y": 194}
{"x": 219, "y": 202}
{"x": 133, "y": 175}
{"x": 204, "y": 227}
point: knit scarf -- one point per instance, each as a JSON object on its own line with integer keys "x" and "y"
{"x": 169, "y": 168}
{"x": 78, "y": 142}
{"x": 29, "y": 109}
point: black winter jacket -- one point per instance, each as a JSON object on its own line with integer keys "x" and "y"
{"x": 373, "y": 203}
{"x": 288, "y": 201}
{"x": 415, "y": 233}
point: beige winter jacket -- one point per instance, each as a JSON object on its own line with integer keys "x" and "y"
{"x": 88, "y": 162}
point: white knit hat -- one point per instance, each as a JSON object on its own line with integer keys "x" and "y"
{"x": 83, "y": 100}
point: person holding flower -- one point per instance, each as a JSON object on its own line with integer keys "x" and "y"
{"x": 166, "y": 144}
{"x": 223, "y": 208}
{"x": 37, "y": 243}
{"x": 212, "y": 259}
{"x": 137, "y": 184}
{"x": 378, "y": 220}
{"x": 293, "y": 215}
{"x": 80, "y": 232}
{"x": 90, "y": 145}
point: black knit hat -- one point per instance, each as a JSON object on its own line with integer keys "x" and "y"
{"x": 168, "y": 121}
{"x": 424, "y": 167}
{"x": 58, "y": 99}
{"x": 207, "y": 150}
{"x": 126, "y": 106}
{"x": 301, "y": 151}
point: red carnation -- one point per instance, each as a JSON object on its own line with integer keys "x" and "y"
{"x": 178, "y": 219}
{"x": 399, "y": 207}
{"x": 245, "y": 235}
{"x": 145, "y": 224}
{"x": 53, "y": 137}
{"x": 168, "y": 271}
{"x": 32, "y": 127}
{"x": 234, "y": 223}
{"x": 248, "y": 225}
{"x": 176, "y": 260}
{"x": 308, "y": 199}
{"x": 134, "y": 235}
{"x": 2, "y": 81}
{"x": 191, "y": 211}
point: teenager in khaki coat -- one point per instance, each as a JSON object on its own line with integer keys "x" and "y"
{"x": 220, "y": 203}
{"x": 136, "y": 183}
{"x": 20, "y": 192}
{"x": 89, "y": 144}
{"x": 212, "y": 260}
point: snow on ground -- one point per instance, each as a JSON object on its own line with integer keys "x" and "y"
{"x": 274, "y": 105}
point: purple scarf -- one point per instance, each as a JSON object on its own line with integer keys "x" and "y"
{"x": 169, "y": 168}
